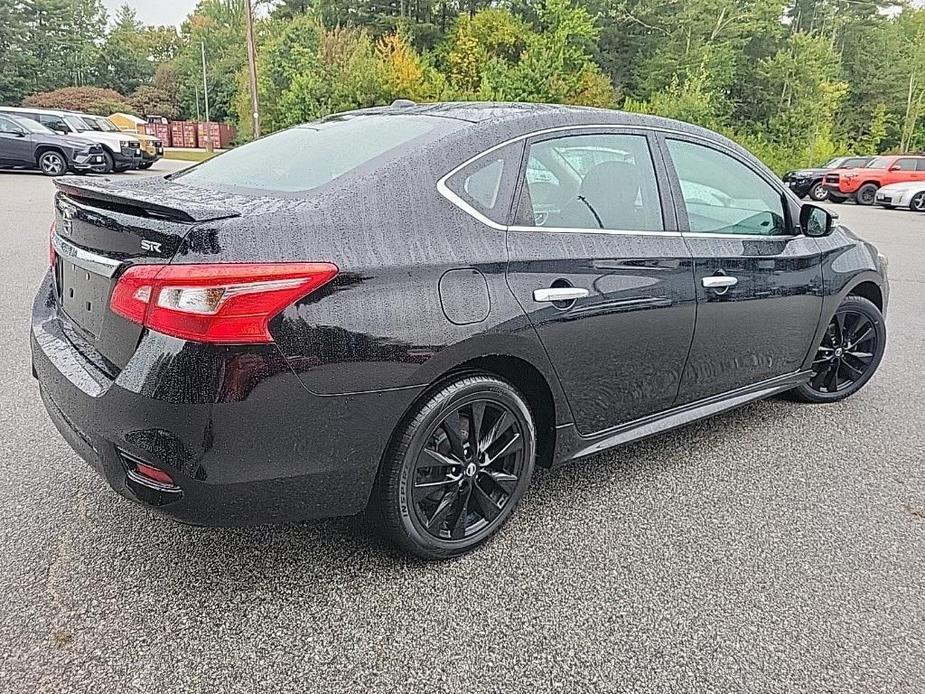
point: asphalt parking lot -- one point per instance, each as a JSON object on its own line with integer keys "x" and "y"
{"x": 780, "y": 547}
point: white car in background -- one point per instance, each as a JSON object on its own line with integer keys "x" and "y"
{"x": 910, "y": 194}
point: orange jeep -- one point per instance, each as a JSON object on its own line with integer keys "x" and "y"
{"x": 862, "y": 184}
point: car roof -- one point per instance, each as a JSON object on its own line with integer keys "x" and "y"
{"x": 512, "y": 112}
{"x": 46, "y": 111}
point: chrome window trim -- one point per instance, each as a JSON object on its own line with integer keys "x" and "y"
{"x": 91, "y": 262}
{"x": 720, "y": 235}
{"x": 617, "y": 232}
{"x": 444, "y": 190}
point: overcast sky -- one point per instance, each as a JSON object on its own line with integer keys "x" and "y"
{"x": 175, "y": 11}
{"x": 155, "y": 11}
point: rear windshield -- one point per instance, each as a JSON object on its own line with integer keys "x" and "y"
{"x": 308, "y": 156}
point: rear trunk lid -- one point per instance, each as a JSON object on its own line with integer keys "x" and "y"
{"x": 100, "y": 229}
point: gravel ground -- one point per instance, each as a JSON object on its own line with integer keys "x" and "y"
{"x": 780, "y": 547}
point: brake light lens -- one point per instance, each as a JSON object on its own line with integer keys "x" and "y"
{"x": 217, "y": 303}
{"x": 52, "y": 256}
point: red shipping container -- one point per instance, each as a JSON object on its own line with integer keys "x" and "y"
{"x": 190, "y": 134}
{"x": 176, "y": 133}
{"x": 162, "y": 132}
{"x": 159, "y": 130}
{"x": 220, "y": 134}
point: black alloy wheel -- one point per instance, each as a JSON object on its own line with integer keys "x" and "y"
{"x": 867, "y": 194}
{"x": 849, "y": 353}
{"x": 459, "y": 468}
{"x": 52, "y": 164}
{"x": 917, "y": 203}
{"x": 818, "y": 193}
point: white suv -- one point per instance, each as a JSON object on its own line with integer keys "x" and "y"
{"x": 120, "y": 151}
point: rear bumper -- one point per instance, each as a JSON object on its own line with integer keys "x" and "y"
{"x": 241, "y": 437}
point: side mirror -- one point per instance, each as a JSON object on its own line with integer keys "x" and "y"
{"x": 816, "y": 221}
{"x": 896, "y": 167}
{"x": 19, "y": 133}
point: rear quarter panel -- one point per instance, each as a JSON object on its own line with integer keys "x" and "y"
{"x": 382, "y": 322}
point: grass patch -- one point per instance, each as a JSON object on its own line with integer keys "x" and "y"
{"x": 188, "y": 155}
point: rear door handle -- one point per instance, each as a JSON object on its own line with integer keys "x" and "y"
{"x": 559, "y": 294}
{"x": 720, "y": 282}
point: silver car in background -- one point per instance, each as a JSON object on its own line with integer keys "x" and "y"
{"x": 910, "y": 194}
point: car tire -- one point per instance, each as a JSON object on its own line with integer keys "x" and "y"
{"x": 818, "y": 193}
{"x": 108, "y": 163}
{"x": 917, "y": 204}
{"x": 852, "y": 347}
{"x": 439, "y": 496}
{"x": 52, "y": 163}
{"x": 867, "y": 194}
{"x": 837, "y": 199}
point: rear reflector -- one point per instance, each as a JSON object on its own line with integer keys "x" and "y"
{"x": 227, "y": 304}
{"x": 152, "y": 473}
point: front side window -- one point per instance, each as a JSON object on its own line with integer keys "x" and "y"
{"x": 905, "y": 165}
{"x": 603, "y": 181}
{"x": 724, "y": 196}
{"x": 8, "y": 126}
{"x": 77, "y": 124}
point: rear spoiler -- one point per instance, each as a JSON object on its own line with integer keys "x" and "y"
{"x": 141, "y": 201}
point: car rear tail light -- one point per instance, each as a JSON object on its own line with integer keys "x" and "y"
{"x": 227, "y": 303}
{"x": 52, "y": 256}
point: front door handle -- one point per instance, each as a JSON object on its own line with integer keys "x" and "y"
{"x": 720, "y": 282}
{"x": 559, "y": 294}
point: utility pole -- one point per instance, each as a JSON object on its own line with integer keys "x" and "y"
{"x": 205, "y": 90}
{"x": 252, "y": 66}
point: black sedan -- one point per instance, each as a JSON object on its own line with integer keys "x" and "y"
{"x": 404, "y": 310}
{"x": 25, "y": 144}
{"x": 810, "y": 182}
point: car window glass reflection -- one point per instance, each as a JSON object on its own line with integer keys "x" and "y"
{"x": 593, "y": 182}
{"x": 722, "y": 195}
{"x": 483, "y": 185}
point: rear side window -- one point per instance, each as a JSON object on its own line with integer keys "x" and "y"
{"x": 487, "y": 184}
{"x": 921, "y": 164}
{"x": 724, "y": 196}
{"x": 602, "y": 181}
{"x": 309, "y": 156}
{"x": 53, "y": 122}
{"x": 905, "y": 165}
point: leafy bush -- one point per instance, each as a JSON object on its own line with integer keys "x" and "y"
{"x": 94, "y": 100}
